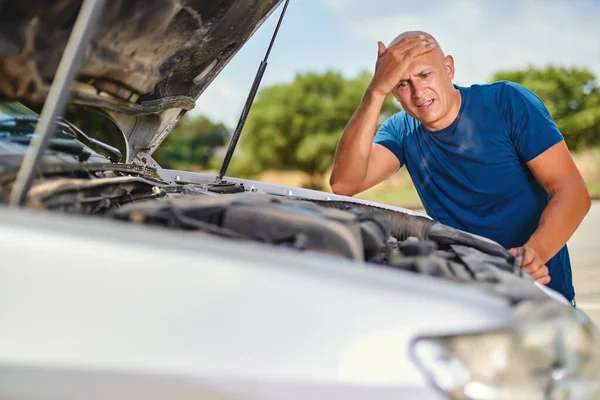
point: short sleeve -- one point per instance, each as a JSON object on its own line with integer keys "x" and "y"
{"x": 531, "y": 128}
{"x": 390, "y": 136}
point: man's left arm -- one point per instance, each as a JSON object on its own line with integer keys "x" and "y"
{"x": 569, "y": 202}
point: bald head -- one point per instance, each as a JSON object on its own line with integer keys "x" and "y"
{"x": 409, "y": 34}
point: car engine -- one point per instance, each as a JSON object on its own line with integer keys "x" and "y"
{"x": 366, "y": 234}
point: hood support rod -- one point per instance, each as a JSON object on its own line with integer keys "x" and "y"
{"x": 246, "y": 110}
{"x": 57, "y": 98}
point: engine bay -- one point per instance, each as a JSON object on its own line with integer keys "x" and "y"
{"x": 366, "y": 234}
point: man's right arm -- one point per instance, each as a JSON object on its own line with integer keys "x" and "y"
{"x": 359, "y": 163}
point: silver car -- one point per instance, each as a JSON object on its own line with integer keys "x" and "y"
{"x": 121, "y": 279}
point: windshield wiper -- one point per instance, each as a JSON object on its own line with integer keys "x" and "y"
{"x": 112, "y": 153}
{"x": 63, "y": 145}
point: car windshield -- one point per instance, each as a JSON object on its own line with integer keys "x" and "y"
{"x": 8, "y": 110}
{"x": 18, "y": 121}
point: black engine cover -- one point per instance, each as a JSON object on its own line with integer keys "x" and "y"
{"x": 269, "y": 219}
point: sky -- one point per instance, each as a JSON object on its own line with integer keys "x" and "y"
{"x": 483, "y": 36}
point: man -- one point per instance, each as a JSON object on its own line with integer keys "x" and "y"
{"x": 486, "y": 159}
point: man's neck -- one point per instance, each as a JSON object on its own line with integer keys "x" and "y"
{"x": 450, "y": 117}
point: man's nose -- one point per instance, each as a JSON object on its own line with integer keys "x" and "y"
{"x": 418, "y": 90}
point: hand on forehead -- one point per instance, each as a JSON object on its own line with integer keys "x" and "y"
{"x": 409, "y": 36}
{"x": 406, "y": 38}
{"x": 434, "y": 57}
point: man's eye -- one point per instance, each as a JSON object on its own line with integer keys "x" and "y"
{"x": 425, "y": 75}
{"x": 403, "y": 84}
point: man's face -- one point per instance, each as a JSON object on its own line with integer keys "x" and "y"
{"x": 425, "y": 93}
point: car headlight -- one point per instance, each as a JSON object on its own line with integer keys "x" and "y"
{"x": 552, "y": 352}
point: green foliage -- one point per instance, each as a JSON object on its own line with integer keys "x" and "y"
{"x": 192, "y": 144}
{"x": 572, "y": 96}
{"x": 297, "y": 126}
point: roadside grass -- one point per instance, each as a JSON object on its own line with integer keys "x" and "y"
{"x": 594, "y": 190}
{"x": 408, "y": 197}
{"x": 403, "y": 196}
{"x": 399, "y": 190}
{"x": 402, "y": 192}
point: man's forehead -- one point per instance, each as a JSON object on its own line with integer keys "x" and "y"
{"x": 422, "y": 63}
{"x": 417, "y": 67}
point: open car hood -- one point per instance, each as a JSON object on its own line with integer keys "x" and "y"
{"x": 148, "y": 61}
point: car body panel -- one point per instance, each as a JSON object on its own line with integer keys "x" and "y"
{"x": 144, "y": 301}
{"x": 275, "y": 189}
{"x": 92, "y": 307}
{"x": 100, "y": 385}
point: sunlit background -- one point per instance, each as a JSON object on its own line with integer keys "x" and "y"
{"x": 324, "y": 57}
{"x": 341, "y": 35}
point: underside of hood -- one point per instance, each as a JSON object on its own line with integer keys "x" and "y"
{"x": 147, "y": 57}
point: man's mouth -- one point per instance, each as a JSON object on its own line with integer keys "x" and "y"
{"x": 425, "y": 105}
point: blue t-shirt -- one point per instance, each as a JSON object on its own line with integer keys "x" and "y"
{"x": 472, "y": 175}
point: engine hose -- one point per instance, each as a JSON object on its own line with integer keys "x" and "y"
{"x": 445, "y": 235}
{"x": 406, "y": 225}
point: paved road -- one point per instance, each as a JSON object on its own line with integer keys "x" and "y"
{"x": 584, "y": 248}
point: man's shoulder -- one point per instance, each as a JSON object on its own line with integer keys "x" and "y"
{"x": 402, "y": 123}
{"x": 500, "y": 90}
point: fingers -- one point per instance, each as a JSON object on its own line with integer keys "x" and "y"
{"x": 545, "y": 280}
{"x": 405, "y": 47}
{"x": 541, "y": 272}
{"x": 531, "y": 260}
{"x": 407, "y": 41}
{"x": 402, "y": 56}
{"x": 397, "y": 54}
{"x": 533, "y": 265}
{"x": 421, "y": 49}
{"x": 412, "y": 50}
{"x": 529, "y": 257}
{"x": 381, "y": 49}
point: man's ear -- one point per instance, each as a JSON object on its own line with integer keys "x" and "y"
{"x": 380, "y": 49}
{"x": 449, "y": 61}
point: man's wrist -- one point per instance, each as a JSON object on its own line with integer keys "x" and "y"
{"x": 539, "y": 248}
{"x": 373, "y": 94}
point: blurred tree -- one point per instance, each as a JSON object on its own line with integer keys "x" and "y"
{"x": 572, "y": 96}
{"x": 297, "y": 126}
{"x": 192, "y": 143}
